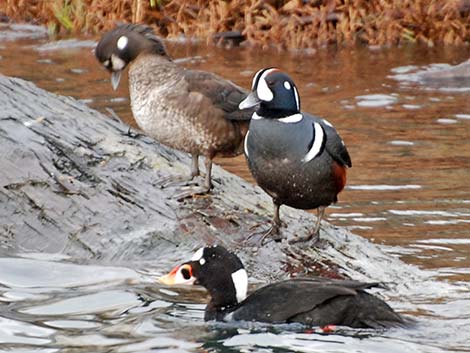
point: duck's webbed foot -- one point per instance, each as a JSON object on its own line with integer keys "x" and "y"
{"x": 273, "y": 233}
{"x": 314, "y": 236}
{"x": 196, "y": 189}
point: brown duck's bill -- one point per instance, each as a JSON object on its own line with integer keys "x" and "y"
{"x": 115, "y": 78}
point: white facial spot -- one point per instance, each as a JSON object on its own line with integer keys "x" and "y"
{"x": 291, "y": 119}
{"x": 198, "y": 255}
{"x": 202, "y": 261}
{"x": 106, "y": 63}
{"x": 122, "y": 42}
{"x": 327, "y": 123}
{"x": 287, "y": 85}
{"x": 263, "y": 91}
{"x": 240, "y": 281}
{"x": 245, "y": 144}
{"x": 117, "y": 63}
{"x": 317, "y": 143}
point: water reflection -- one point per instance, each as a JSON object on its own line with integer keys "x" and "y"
{"x": 115, "y": 309}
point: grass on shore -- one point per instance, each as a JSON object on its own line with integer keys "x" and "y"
{"x": 286, "y": 24}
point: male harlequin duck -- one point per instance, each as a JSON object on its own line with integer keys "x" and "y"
{"x": 193, "y": 111}
{"x": 298, "y": 159}
{"x": 315, "y": 302}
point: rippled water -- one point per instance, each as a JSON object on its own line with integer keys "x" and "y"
{"x": 408, "y": 191}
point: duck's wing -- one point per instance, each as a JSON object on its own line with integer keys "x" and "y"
{"x": 279, "y": 302}
{"x": 334, "y": 144}
{"x": 223, "y": 93}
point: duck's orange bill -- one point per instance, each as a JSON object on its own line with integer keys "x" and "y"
{"x": 169, "y": 279}
{"x": 181, "y": 274}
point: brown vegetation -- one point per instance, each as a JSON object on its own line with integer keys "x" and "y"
{"x": 284, "y": 23}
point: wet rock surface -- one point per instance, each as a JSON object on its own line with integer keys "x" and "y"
{"x": 75, "y": 182}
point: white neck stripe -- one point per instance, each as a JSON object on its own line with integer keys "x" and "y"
{"x": 317, "y": 143}
{"x": 295, "y": 118}
{"x": 240, "y": 281}
{"x": 256, "y": 116}
{"x": 292, "y": 118}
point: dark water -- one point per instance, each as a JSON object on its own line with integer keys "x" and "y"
{"x": 408, "y": 191}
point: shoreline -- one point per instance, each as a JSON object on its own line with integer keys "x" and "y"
{"x": 286, "y": 25}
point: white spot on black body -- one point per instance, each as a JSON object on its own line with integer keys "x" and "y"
{"x": 287, "y": 85}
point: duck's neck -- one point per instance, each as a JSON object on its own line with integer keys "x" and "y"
{"x": 218, "y": 313}
{"x": 223, "y": 299}
{"x": 275, "y": 113}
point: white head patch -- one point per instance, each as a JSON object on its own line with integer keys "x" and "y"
{"x": 240, "y": 281}
{"x": 287, "y": 85}
{"x": 122, "y": 42}
{"x": 198, "y": 255}
{"x": 263, "y": 91}
{"x": 317, "y": 143}
{"x": 118, "y": 63}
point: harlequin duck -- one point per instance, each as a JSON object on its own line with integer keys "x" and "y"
{"x": 315, "y": 302}
{"x": 193, "y": 111}
{"x": 297, "y": 158}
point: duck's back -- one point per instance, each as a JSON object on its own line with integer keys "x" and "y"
{"x": 317, "y": 303}
{"x": 188, "y": 110}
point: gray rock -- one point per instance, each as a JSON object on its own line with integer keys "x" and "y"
{"x": 73, "y": 182}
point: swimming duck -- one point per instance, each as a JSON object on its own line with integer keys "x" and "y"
{"x": 297, "y": 158}
{"x": 314, "y": 302}
{"x": 189, "y": 110}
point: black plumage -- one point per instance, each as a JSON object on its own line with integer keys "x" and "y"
{"x": 315, "y": 302}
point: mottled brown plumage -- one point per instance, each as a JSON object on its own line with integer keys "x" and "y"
{"x": 193, "y": 111}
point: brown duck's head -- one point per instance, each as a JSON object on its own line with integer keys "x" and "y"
{"x": 118, "y": 47}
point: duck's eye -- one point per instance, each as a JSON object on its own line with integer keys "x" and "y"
{"x": 186, "y": 272}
